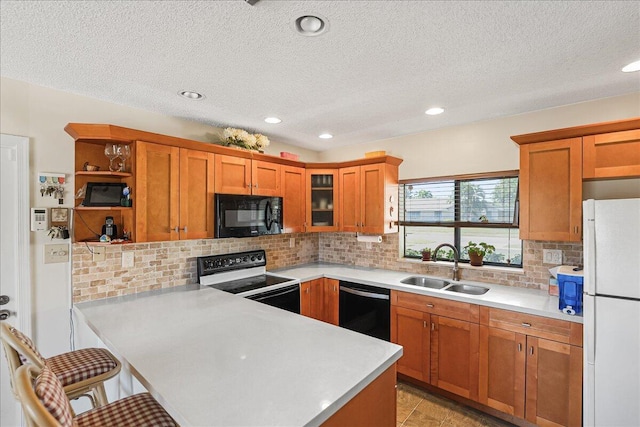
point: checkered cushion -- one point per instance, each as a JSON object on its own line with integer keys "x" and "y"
{"x": 140, "y": 410}
{"x": 27, "y": 342}
{"x": 79, "y": 365}
{"x": 51, "y": 393}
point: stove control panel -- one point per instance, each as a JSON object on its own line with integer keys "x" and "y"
{"x": 213, "y": 264}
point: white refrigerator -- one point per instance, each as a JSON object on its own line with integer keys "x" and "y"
{"x": 611, "y": 313}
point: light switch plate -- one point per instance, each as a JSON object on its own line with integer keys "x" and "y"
{"x": 127, "y": 259}
{"x": 54, "y": 253}
{"x": 99, "y": 253}
{"x": 552, "y": 256}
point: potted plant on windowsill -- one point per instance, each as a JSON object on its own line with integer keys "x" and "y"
{"x": 477, "y": 251}
{"x": 426, "y": 254}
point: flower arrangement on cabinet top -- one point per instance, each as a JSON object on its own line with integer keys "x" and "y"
{"x": 243, "y": 139}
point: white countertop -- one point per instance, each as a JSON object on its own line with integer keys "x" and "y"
{"x": 530, "y": 301}
{"x": 215, "y": 359}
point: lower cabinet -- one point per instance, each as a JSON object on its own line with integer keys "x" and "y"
{"x": 320, "y": 298}
{"x": 527, "y": 366}
{"x": 526, "y": 374}
{"x": 439, "y": 350}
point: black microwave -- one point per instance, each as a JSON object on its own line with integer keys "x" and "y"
{"x": 246, "y": 216}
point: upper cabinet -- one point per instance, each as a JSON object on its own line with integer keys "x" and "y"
{"x": 175, "y": 187}
{"x": 611, "y": 155}
{"x": 293, "y": 198}
{"x": 173, "y": 182}
{"x": 551, "y": 191}
{"x": 368, "y": 197}
{"x": 236, "y": 175}
{"x": 553, "y": 165}
{"x": 322, "y": 200}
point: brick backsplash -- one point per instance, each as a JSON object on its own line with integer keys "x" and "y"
{"x": 343, "y": 248}
{"x": 165, "y": 264}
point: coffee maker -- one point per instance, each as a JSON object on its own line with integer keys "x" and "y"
{"x": 109, "y": 228}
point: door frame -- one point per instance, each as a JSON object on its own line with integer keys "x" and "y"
{"x": 21, "y": 145}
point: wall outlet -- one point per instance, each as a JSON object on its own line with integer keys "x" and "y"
{"x": 552, "y": 256}
{"x": 292, "y": 242}
{"x": 54, "y": 253}
{"x": 127, "y": 259}
{"x": 99, "y": 253}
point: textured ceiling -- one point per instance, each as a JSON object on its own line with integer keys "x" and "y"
{"x": 371, "y": 76}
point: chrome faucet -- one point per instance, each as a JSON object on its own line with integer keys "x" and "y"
{"x": 456, "y": 258}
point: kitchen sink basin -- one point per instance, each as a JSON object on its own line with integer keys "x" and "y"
{"x": 467, "y": 289}
{"x": 425, "y": 282}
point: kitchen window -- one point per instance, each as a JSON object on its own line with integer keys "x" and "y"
{"x": 460, "y": 209}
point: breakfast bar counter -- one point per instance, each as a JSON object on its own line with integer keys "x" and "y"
{"x": 215, "y": 359}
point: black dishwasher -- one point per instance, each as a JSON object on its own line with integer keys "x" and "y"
{"x": 365, "y": 309}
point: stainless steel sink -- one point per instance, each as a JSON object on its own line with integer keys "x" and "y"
{"x": 467, "y": 289}
{"x": 425, "y": 282}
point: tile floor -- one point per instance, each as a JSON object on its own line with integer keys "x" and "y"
{"x": 419, "y": 408}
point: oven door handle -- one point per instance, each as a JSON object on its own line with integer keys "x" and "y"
{"x": 260, "y": 298}
{"x": 364, "y": 294}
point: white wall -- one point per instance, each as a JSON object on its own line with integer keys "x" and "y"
{"x": 484, "y": 146}
{"x": 41, "y": 114}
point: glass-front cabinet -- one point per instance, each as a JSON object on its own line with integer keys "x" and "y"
{"x": 322, "y": 198}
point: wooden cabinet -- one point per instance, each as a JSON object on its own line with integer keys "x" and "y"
{"x": 531, "y": 367}
{"x": 293, "y": 198}
{"x": 237, "y": 175}
{"x": 551, "y": 190}
{"x": 440, "y": 340}
{"x": 411, "y": 330}
{"x": 553, "y": 164}
{"x": 322, "y": 200}
{"x": 319, "y": 299}
{"x": 368, "y": 198}
{"x": 611, "y": 155}
{"x": 175, "y": 193}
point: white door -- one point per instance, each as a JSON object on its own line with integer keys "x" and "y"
{"x": 613, "y": 373}
{"x": 617, "y": 260}
{"x": 14, "y": 238}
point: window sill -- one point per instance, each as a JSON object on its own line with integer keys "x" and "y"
{"x": 464, "y": 266}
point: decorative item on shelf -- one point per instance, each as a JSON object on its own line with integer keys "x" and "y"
{"x": 124, "y": 152}
{"x": 111, "y": 151}
{"x": 126, "y": 197}
{"x": 290, "y": 156}
{"x": 477, "y": 251}
{"x": 245, "y": 140}
{"x": 90, "y": 168}
{"x": 426, "y": 254}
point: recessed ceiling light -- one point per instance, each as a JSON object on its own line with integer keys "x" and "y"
{"x": 434, "y": 111}
{"x": 634, "y": 66}
{"x": 325, "y": 136}
{"x": 311, "y": 25}
{"x": 273, "y": 120}
{"x": 191, "y": 95}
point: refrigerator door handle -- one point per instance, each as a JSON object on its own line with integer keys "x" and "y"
{"x": 589, "y": 237}
{"x": 589, "y": 320}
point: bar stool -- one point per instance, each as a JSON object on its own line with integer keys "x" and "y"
{"x": 80, "y": 372}
{"x": 45, "y": 405}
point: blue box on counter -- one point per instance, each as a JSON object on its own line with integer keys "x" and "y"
{"x": 571, "y": 285}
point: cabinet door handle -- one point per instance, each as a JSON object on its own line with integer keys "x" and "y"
{"x": 433, "y": 326}
{"x": 255, "y": 185}
{"x": 526, "y": 325}
{"x": 531, "y": 350}
{"x": 306, "y": 290}
{"x": 519, "y": 347}
{"x": 424, "y": 323}
{"x": 176, "y": 229}
{"x": 430, "y": 305}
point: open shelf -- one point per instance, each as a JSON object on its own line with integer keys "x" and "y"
{"x": 104, "y": 173}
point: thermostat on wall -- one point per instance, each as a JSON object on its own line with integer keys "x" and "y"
{"x": 39, "y": 219}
